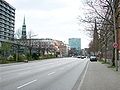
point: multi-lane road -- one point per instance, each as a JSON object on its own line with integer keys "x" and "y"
{"x": 54, "y": 74}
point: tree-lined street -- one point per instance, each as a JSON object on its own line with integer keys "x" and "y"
{"x": 75, "y": 45}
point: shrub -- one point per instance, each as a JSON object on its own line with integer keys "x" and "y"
{"x": 35, "y": 56}
{"x": 3, "y": 60}
{"x": 10, "y": 58}
{"x": 22, "y": 58}
{"x": 29, "y": 57}
{"x": 47, "y": 56}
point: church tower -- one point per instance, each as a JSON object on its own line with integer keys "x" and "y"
{"x": 24, "y": 30}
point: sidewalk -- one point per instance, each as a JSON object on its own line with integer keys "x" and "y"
{"x": 99, "y": 77}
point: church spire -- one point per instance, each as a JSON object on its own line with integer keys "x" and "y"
{"x": 24, "y": 30}
{"x": 24, "y": 21}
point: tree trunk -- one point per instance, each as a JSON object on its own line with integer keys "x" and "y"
{"x": 113, "y": 58}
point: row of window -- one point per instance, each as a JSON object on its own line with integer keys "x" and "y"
{"x": 6, "y": 26}
{"x": 6, "y": 11}
{"x": 7, "y": 6}
{"x": 6, "y": 33}
{"x": 6, "y": 19}
{"x": 6, "y": 30}
{"x": 7, "y": 23}
{"x": 2, "y": 8}
{"x": 5, "y": 37}
{"x": 5, "y": 16}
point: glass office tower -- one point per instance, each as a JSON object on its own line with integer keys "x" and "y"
{"x": 75, "y": 43}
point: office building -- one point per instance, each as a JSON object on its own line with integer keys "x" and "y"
{"x": 75, "y": 45}
{"x": 7, "y": 22}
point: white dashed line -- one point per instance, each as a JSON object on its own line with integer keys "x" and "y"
{"x": 51, "y": 73}
{"x": 26, "y": 84}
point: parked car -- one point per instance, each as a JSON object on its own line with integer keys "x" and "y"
{"x": 93, "y": 58}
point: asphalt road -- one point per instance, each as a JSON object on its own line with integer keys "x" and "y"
{"x": 54, "y": 74}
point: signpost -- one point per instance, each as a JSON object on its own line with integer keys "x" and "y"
{"x": 115, "y": 45}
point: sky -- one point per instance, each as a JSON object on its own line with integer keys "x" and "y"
{"x": 56, "y": 19}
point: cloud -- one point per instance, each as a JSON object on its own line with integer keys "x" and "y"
{"x": 38, "y": 4}
{"x": 55, "y": 19}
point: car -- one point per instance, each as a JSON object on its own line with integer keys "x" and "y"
{"x": 93, "y": 58}
{"x": 26, "y": 61}
{"x": 82, "y": 57}
{"x": 78, "y": 56}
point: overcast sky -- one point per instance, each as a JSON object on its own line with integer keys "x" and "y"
{"x": 56, "y": 19}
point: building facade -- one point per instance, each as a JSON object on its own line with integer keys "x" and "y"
{"x": 43, "y": 46}
{"x": 7, "y": 22}
{"x": 61, "y": 47}
{"x": 75, "y": 44}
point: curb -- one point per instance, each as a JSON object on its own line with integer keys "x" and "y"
{"x": 81, "y": 78}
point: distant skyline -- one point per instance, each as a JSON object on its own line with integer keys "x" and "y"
{"x": 56, "y": 19}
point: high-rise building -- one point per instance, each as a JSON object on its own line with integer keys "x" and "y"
{"x": 7, "y": 21}
{"x": 24, "y": 30}
{"x": 75, "y": 44}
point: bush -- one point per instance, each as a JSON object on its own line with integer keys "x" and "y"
{"x": 10, "y": 58}
{"x": 29, "y": 57}
{"x": 22, "y": 58}
{"x": 47, "y": 56}
{"x": 35, "y": 56}
{"x": 51, "y": 56}
{"x": 3, "y": 60}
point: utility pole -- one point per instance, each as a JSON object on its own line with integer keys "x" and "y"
{"x": 115, "y": 33}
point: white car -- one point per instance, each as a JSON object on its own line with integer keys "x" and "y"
{"x": 93, "y": 58}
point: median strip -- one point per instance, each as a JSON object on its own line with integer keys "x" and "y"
{"x": 26, "y": 84}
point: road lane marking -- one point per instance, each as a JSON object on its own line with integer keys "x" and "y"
{"x": 26, "y": 84}
{"x": 51, "y": 73}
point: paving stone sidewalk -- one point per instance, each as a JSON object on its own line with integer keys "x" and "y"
{"x": 100, "y": 77}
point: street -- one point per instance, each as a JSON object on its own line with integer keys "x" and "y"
{"x": 54, "y": 74}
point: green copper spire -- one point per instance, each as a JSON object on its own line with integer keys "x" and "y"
{"x": 24, "y": 36}
{"x": 24, "y": 21}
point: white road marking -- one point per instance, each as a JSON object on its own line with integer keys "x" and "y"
{"x": 51, "y": 73}
{"x": 26, "y": 84}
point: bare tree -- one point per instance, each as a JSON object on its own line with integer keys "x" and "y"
{"x": 102, "y": 11}
{"x": 18, "y": 34}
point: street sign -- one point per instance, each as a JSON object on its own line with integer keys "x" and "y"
{"x": 115, "y": 45}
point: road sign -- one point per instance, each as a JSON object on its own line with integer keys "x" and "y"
{"x": 115, "y": 45}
